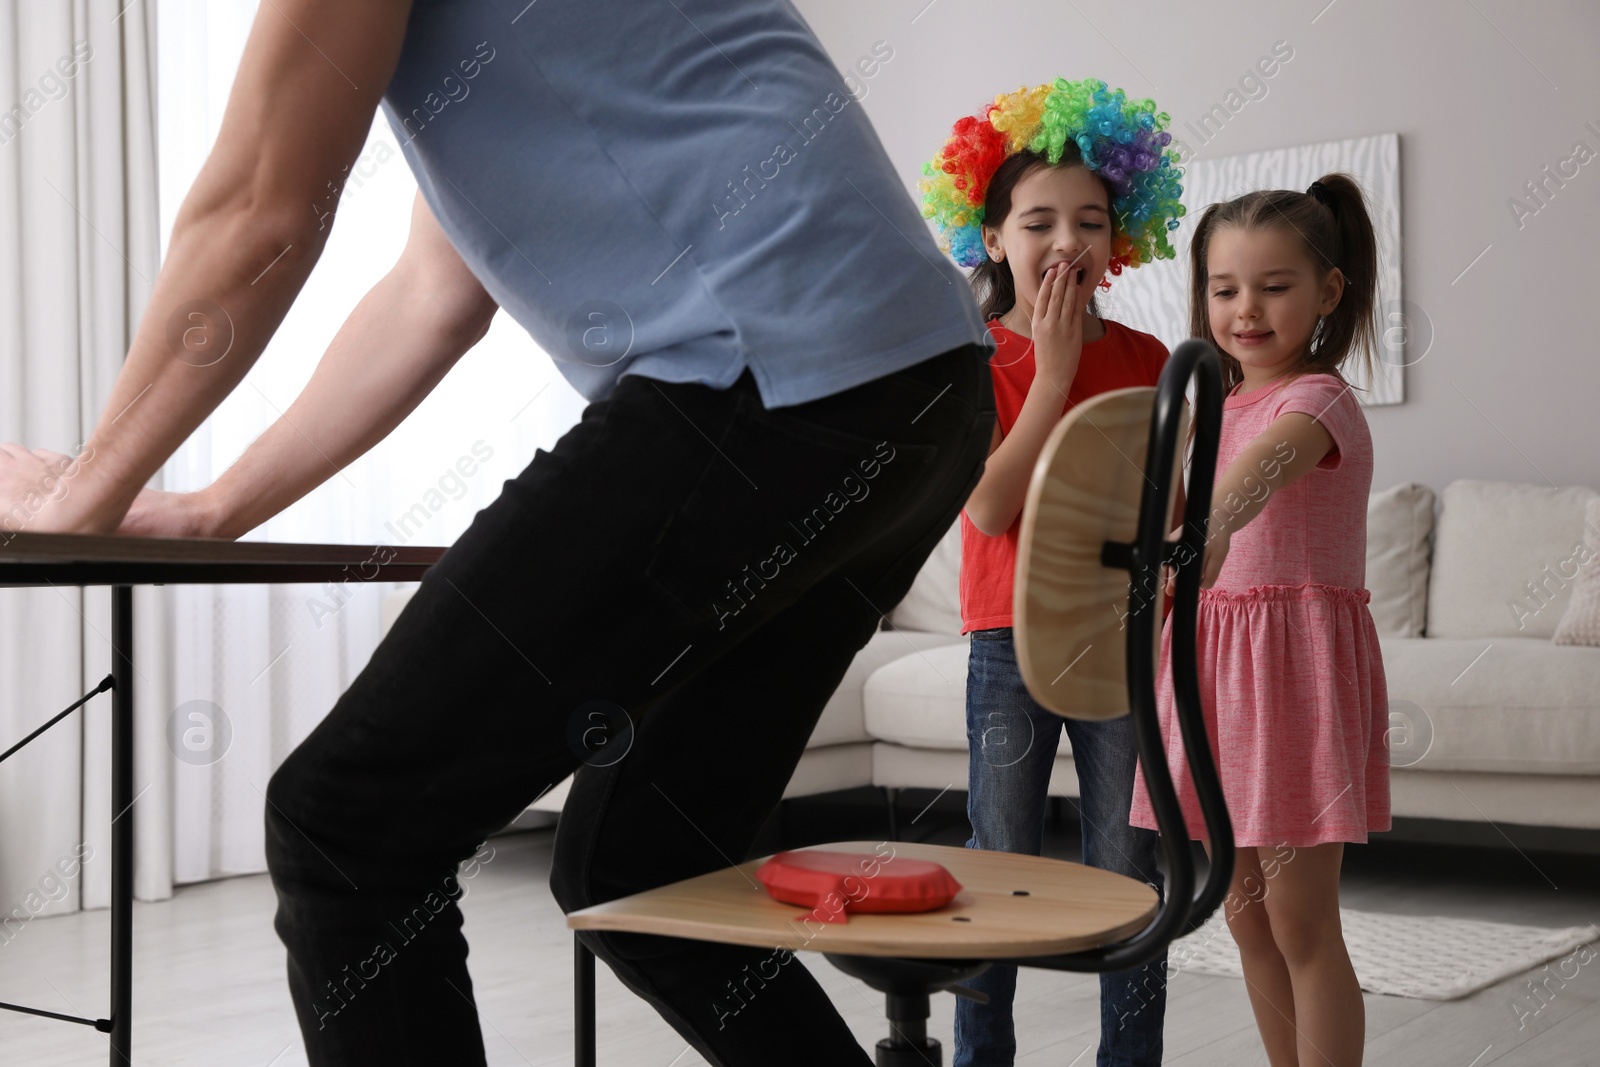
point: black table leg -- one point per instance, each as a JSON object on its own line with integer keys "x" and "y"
{"x": 121, "y": 825}
{"x": 583, "y": 1003}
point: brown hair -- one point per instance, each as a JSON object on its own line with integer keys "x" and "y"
{"x": 991, "y": 282}
{"x": 1334, "y": 235}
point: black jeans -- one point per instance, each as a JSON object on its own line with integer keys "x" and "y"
{"x": 664, "y": 602}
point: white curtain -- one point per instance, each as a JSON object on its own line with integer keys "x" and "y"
{"x": 264, "y": 664}
{"x": 78, "y": 253}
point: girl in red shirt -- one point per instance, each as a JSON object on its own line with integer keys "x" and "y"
{"x": 1044, "y": 194}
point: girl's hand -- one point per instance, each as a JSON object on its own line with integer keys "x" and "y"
{"x": 1216, "y": 553}
{"x": 1058, "y": 325}
{"x": 1168, "y": 571}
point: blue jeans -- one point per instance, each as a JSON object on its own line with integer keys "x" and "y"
{"x": 1012, "y": 745}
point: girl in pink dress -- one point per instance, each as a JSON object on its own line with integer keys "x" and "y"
{"x": 1291, "y": 677}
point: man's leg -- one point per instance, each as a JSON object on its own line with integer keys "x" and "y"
{"x": 457, "y": 722}
{"x": 607, "y": 573}
{"x": 1133, "y": 1003}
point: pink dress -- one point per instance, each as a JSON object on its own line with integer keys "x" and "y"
{"x": 1291, "y": 677}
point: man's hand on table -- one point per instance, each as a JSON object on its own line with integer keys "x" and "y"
{"x": 156, "y": 513}
{"x": 36, "y": 492}
{"x": 37, "y": 495}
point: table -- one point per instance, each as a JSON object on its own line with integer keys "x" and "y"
{"x": 41, "y": 559}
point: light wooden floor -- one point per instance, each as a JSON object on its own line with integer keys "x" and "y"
{"x": 210, "y": 990}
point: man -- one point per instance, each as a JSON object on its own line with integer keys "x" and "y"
{"x": 686, "y": 208}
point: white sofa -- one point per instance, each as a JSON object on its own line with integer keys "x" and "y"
{"x": 1489, "y": 719}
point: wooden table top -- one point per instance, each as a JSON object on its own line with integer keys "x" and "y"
{"x": 101, "y": 559}
{"x": 1067, "y": 908}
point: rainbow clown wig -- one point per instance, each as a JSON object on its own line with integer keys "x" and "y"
{"x": 1122, "y": 141}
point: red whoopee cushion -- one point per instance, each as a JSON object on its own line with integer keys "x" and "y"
{"x": 831, "y": 883}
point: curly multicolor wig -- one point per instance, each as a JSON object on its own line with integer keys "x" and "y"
{"x": 1122, "y": 141}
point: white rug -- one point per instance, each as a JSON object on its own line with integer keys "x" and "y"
{"x": 1426, "y": 957}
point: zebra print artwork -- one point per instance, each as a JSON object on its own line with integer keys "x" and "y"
{"x": 1155, "y": 297}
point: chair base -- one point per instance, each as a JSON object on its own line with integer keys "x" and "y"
{"x": 892, "y": 1052}
{"x": 907, "y": 984}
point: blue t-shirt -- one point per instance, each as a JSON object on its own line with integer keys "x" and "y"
{"x": 680, "y": 190}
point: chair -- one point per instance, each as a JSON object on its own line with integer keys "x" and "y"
{"x": 1095, "y": 509}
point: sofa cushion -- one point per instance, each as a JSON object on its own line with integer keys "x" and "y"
{"x": 933, "y": 603}
{"x": 842, "y": 720}
{"x": 920, "y": 701}
{"x": 1580, "y": 625}
{"x": 1513, "y": 704}
{"x": 1504, "y": 556}
{"x": 1399, "y": 535}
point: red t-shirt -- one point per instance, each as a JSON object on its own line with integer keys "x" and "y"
{"x": 1123, "y": 358}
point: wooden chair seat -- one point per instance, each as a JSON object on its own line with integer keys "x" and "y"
{"x": 1009, "y": 905}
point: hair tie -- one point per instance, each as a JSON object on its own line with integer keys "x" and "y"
{"x": 1324, "y": 196}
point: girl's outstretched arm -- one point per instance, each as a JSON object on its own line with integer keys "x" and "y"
{"x": 1284, "y": 452}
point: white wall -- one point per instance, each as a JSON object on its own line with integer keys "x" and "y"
{"x": 1484, "y": 94}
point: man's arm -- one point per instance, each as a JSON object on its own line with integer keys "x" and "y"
{"x": 246, "y": 238}
{"x": 396, "y": 346}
